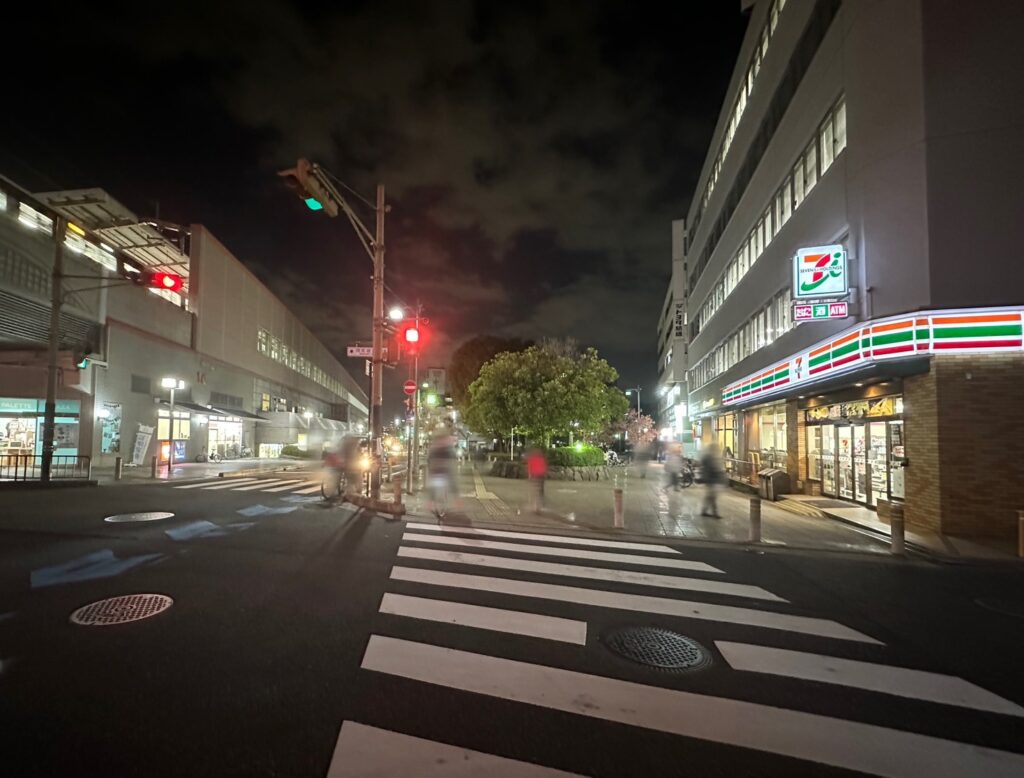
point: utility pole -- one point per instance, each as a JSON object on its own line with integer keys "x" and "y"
{"x": 377, "y": 369}
{"x": 56, "y": 299}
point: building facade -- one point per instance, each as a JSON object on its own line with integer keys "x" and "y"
{"x": 672, "y": 409}
{"x": 853, "y": 300}
{"x": 254, "y": 379}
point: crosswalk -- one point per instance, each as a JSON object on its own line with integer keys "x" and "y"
{"x": 304, "y": 485}
{"x": 454, "y": 592}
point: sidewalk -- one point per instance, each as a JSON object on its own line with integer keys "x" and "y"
{"x": 650, "y": 510}
{"x": 198, "y": 470}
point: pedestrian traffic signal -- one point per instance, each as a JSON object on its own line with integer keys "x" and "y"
{"x": 168, "y": 282}
{"x": 306, "y": 179}
{"x": 411, "y": 339}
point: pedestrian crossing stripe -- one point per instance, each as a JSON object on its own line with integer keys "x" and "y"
{"x": 497, "y": 545}
{"x": 368, "y": 752}
{"x": 220, "y": 483}
{"x": 567, "y": 539}
{"x": 842, "y": 743}
{"x": 606, "y": 574}
{"x": 636, "y": 603}
{"x": 899, "y": 681}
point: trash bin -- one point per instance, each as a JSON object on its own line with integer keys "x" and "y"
{"x": 775, "y": 481}
{"x": 763, "y": 478}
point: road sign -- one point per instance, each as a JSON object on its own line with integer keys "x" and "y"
{"x": 366, "y": 352}
{"x": 410, "y": 387}
{"x": 819, "y": 311}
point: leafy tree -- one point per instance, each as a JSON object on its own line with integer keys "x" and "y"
{"x": 640, "y": 428}
{"x": 470, "y": 357}
{"x": 543, "y": 392}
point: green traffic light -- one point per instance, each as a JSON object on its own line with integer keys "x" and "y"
{"x": 313, "y": 204}
{"x": 431, "y": 399}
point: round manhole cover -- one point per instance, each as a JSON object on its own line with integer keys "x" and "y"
{"x": 120, "y": 610}
{"x": 656, "y": 647}
{"x": 146, "y": 516}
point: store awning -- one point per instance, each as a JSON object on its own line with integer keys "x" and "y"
{"x": 240, "y": 414}
{"x": 181, "y": 405}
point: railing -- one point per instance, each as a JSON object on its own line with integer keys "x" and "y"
{"x": 741, "y": 470}
{"x": 29, "y": 467}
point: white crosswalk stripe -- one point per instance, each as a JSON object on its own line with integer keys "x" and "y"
{"x": 432, "y": 592}
{"x": 593, "y": 573}
{"x": 563, "y": 551}
{"x": 309, "y": 489}
{"x": 264, "y": 484}
{"x": 538, "y": 536}
{"x": 220, "y": 483}
{"x": 288, "y": 485}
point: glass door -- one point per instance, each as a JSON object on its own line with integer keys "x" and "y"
{"x": 878, "y": 463}
{"x": 896, "y": 459}
{"x": 860, "y": 474}
{"x": 814, "y": 453}
{"x": 828, "y": 460}
{"x": 845, "y": 462}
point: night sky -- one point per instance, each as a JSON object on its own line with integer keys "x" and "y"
{"x": 535, "y": 153}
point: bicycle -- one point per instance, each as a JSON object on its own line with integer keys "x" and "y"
{"x": 333, "y": 484}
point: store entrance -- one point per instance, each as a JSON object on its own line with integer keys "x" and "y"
{"x": 860, "y": 461}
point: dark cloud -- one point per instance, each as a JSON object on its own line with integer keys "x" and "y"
{"x": 535, "y": 152}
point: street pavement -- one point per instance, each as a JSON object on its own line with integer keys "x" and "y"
{"x": 306, "y": 639}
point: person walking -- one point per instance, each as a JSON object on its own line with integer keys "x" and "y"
{"x": 673, "y": 467}
{"x": 441, "y": 472}
{"x": 537, "y": 470}
{"x": 713, "y": 476}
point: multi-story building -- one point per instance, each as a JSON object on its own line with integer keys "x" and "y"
{"x": 255, "y": 379}
{"x": 852, "y": 286}
{"x": 672, "y": 414}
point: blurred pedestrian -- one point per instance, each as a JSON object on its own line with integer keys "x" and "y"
{"x": 441, "y": 471}
{"x": 643, "y": 458}
{"x": 537, "y": 470}
{"x": 713, "y": 476}
{"x": 673, "y": 466}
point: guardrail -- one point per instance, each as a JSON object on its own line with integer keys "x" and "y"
{"x": 29, "y": 467}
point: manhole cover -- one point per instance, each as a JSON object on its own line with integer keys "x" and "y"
{"x": 119, "y": 610}
{"x": 1013, "y": 608}
{"x": 148, "y": 516}
{"x": 656, "y": 647}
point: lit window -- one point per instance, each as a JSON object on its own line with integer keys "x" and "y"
{"x": 810, "y": 167}
{"x": 261, "y": 341}
{"x": 840, "y": 120}
{"x": 827, "y": 144}
{"x": 33, "y": 219}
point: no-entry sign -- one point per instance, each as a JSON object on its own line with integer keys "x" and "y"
{"x": 410, "y": 387}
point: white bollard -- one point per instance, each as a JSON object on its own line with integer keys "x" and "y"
{"x": 619, "y": 520}
{"x": 396, "y": 482}
{"x": 755, "y": 519}
{"x": 898, "y": 547}
{"x": 118, "y": 468}
{"x": 152, "y": 468}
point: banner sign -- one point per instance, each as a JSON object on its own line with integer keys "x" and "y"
{"x": 979, "y": 331}
{"x": 142, "y": 438}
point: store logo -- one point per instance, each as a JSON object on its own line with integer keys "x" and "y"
{"x": 820, "y": 272}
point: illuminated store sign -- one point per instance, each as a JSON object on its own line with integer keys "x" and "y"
{"x": 980, "y": 330}
{"x": 820, "y": 271}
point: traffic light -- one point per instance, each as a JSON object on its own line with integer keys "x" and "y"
{"x": 169, "y": 282}
{"x": 307, "y": 181}
{"x": 411, "y": 339}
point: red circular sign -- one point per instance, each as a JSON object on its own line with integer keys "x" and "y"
{"x": 410, "y": 387}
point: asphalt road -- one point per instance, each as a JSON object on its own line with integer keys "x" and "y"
{"x": 476, "y": 650}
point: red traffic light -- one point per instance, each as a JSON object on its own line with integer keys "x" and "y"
{"x": 411, "y": 335}
{"x": 170, "y": 282}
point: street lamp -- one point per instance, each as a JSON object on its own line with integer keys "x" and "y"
{"x": 396, "y": 313}
{"x": 173, "y": 384}
{"x": 629, "y": 393}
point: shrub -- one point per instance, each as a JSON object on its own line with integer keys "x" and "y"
{"x": 295, "y": 451}
{"x": 569, "y": 456}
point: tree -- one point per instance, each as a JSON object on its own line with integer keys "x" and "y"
{"x": 543, "y": 392}
{"x": 640, "y": 429}
{"x": 470, "y": 357}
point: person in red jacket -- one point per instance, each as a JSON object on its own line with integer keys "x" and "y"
{"x": 537, "y": 470}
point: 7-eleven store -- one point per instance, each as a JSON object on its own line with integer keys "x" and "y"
{"x": 924, "y": 410}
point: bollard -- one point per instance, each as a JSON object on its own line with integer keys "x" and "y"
{"x": 755, "y": 519}
{"x": 896, "y": 523}
{"x": 152, "y": 468}
{"x": 619, "y": 522}
{"x": 118, "y": 468}
{"x": 396, "y": 483}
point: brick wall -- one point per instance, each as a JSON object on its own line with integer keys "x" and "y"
{"x": 922, "y": 478}
{"x": 980, "y": 416}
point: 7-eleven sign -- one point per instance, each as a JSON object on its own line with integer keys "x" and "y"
{"x": 820, "y": 271}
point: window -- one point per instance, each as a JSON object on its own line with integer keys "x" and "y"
{"x": 141, "y": 384}
{"x": 827, "y": 138}
{"x": 840, "y": 126}
{"x": 261, "y": 341}
{"x": 33, "y": 219}
{"x": 264, "y": 402}
{"x": 182, "y": 424}
{"x": 810, "y": 168}
{"x": 275, "y": 346}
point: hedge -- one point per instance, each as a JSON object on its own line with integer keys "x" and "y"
{"x": 569, "y": 456}
{"x": 295, "y": 451}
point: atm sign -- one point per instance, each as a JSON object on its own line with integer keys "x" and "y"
{"x": 818, "y": 311}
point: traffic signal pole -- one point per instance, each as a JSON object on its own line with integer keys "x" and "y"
{"x": 377, "y": 369}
